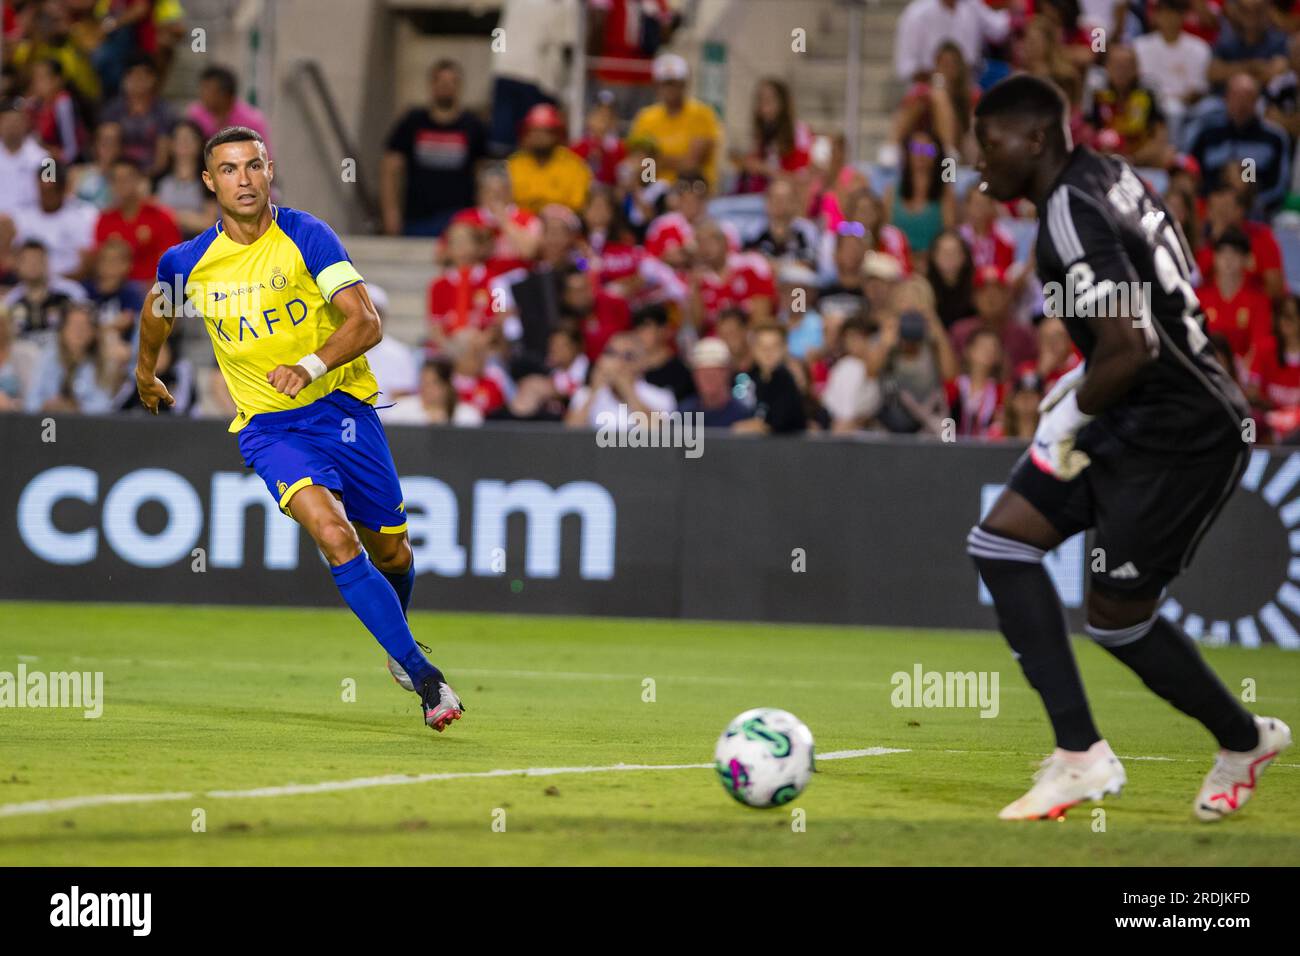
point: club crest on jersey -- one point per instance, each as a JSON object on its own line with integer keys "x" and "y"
{"x": 278, "y": 279}
{"x": 1127, "y": 192}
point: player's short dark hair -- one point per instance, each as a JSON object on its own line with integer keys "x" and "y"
{"x": 1029, "y": 98}
{"x": 223, "y": 76}
{"x": 231, "y": 134}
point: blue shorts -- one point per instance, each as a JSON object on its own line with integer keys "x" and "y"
{"x": 336, "y": 442}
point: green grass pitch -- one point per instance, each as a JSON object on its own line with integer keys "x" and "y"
{"x": 204, "y": 700}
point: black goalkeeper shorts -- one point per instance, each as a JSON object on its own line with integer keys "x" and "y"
{"x": 1148, "y": 513}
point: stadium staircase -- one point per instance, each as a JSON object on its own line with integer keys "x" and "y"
{"x": 403, "y": 268}
{"x": 818, "y": 86}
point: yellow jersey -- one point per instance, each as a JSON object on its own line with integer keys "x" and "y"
{"x": 564, "y": 178}
{"x": 673, "y": 134}
{"x": 265, "y": 304}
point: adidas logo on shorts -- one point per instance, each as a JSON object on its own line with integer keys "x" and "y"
{"x": 1125, "y": 570}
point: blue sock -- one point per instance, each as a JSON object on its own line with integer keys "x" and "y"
{"x": 373, "y": 600}
{"x": 403, "y": 583}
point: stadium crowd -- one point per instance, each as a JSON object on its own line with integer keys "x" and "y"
{"x": 577, "y": 276}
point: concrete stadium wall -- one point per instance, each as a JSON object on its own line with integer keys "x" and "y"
{"x": 536, "y": 519}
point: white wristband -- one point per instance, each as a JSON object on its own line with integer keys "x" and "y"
{"x": 314, "y": 366}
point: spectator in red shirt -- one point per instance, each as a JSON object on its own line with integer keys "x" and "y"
{"x": 1233, "y": 307}
{"x": 461, "y": 297}
{"x": 1226, "y": 209}
{"x": 1274, "y": 379}
{"x": 471, "y": 377}
{"x": 600, "y": 144}
{"x": 781, "y": 144}
{"x": 597, "y": 315}
{"x": 993, "y": 312}
{"x": 1056, "y": 353}
{"x": 511, "y": 236}
{"x": 1020, "y": 409}
{"x": 975, "y": 396}
{"x": 990, "y": 244}
{"x": 148, "y": 228}
{"x": 726, "y": 278}
{"x": 56, "y": 118}
{"x": 611, "y": 258}
{"x": 671, "y": 235}
{"x": 566, "y": 361}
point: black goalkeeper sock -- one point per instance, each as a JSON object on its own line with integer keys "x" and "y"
{"x": 1168, "y": 662}
{"x": 1032, "y": 619}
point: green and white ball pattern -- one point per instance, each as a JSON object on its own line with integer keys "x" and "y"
{"x": 765, "y": 757}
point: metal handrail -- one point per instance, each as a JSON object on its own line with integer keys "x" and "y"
{"x": 309, "y": 71}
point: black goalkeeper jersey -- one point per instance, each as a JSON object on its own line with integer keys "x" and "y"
{"x": 1109, "y": 251}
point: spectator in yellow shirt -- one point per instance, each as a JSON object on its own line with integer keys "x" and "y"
{"x": 544, "y": 170}
{"x": 49, "y": 36}
{"x": 685, "y": 130}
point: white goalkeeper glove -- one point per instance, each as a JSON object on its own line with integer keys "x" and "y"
{"x": 1059, "y": 422}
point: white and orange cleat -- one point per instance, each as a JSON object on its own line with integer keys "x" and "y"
{"x": 1232, "y": 779}
{"x": 1067, "y": 778}
{"x": 440, "y": 703}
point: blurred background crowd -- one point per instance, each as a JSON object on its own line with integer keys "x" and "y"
{"x": 617, "y": 247}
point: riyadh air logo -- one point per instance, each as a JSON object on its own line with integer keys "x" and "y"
{"x": 219, "y": 297}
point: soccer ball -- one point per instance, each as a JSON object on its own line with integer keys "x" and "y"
{"x": 765, "y": 757}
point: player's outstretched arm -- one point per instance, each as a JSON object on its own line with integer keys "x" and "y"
{"x": 360, "y": 332}
{"x": 155, "y": 326}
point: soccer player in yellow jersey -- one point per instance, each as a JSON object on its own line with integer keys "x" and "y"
{"x": 290, "y": 322}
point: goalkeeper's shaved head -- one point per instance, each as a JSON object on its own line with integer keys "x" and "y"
{"x": 1022, "y": 128}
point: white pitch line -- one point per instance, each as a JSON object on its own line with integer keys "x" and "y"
{"x": 361, "y": 783}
